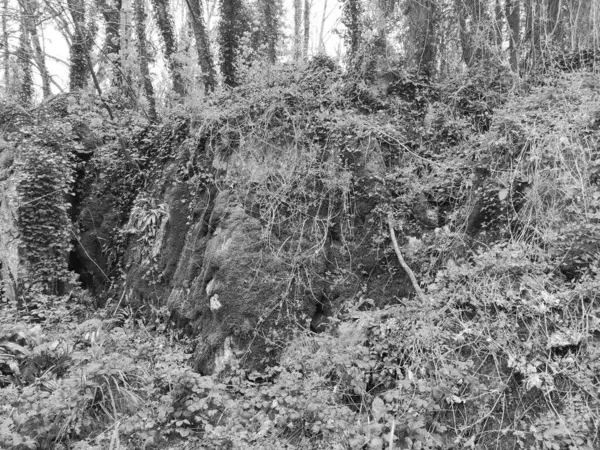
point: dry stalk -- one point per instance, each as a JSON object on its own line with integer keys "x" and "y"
{"x": 407, "y": 269}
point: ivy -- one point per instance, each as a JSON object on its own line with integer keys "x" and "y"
{"x": 43, "y": 212}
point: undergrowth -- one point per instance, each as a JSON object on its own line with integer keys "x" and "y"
{"x": 504, "y": 352}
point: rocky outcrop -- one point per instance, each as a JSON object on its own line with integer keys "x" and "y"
{"x": 242, "y": 242}
{"x": 242, "y": 286}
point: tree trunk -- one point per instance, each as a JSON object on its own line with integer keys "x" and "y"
{"x": 306, "y": 28}
{"x": 111, "y": 12}
{"x": 321, "y": 42}
{"x": 533, "y": 34}
{"x": 140, "y": 30}
{"x": 78, "y": 69}
{"x": 269, "y": 31}
{"x": 513, "y": 18}
{"x": 463, "y": 31}
{"x": 205, "y": 59}
{"x": 231, "y": 30}
{"x": 553, "y": 13}
{"x": 384, "y": 10}
{"x": 165, "y": 26}
{"x": 30, "y": 8}
{"x": 271, "y": 11}
{"x": 6, "y": 53}
{"x": 421, "y": 22}
{"x": 24, "y": 58}
{"x": 498, "y": 24}
{"x": 297, "y": 29}
{"x": 351, "y": 18}
{"x": 477, "y": 30}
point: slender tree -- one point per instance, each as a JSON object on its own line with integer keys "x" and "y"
{"x": 5, "y": 47}
{"x": 307, "y": 6}
{"x": 513, "y": 19}
{"x": 553, "y": 24}
{"x": 30, "y": 18}
{"x": 231, "y": 29}
{"x": 26, "y": 72}
{"x": 164, "y": 21}
{"x": 144, "y": 59}
{"x": 205, "y": 59}
{"x": 498, "y": 24}
{"x": 297, "y": 49}
{"x": 323, "y": 18}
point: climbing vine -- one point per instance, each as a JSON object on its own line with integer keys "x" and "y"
{"x": 43, "y": 217}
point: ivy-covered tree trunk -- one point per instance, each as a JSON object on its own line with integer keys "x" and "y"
{"x": 26, "y": 72}
{"x": 205, "y": 59}
{"x": 140, "y": 31}
{"x": 513, "y": 18}
{"x": 78, "y": 69}
{"x": 30, "y": 7}
{"x": 167, "y": 31}
{"x": 351, "y": 18}
{"x": 111, "y": 12}
{"x": 127, "y": 46}
{"x": 307, "y": 6}
{"x": 42, "y": 215}
{"x": 270, "y": 12}
{"x": 231, "y": 29}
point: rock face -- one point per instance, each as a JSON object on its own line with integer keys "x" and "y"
{"x": 240, "y": 285}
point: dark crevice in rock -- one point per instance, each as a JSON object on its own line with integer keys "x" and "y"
{"x": 76, "y": 265}
{"x": 208, "y": 210}
{"x": 320, "y": 319}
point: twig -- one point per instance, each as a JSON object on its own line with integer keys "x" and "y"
{"x": 407, "y": 269}
{"x": 120, "y": 300}
{"x": 89, "y": 256}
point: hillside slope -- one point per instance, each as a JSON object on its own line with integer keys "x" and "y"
{"x": 256, "y": 230}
